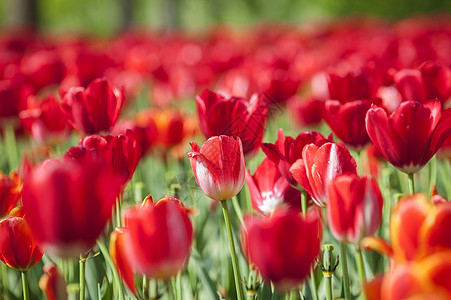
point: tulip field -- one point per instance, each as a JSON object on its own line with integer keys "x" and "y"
{"x": 272, "y": 162}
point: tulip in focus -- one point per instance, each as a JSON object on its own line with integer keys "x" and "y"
{"x": 159, "y": 238}
{"x": 354, "y": 208}
{"x": 10, "y": 192}
{"x": 218, "y": 166}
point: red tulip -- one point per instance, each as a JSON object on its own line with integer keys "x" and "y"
{"x": 269, "y": 189}
{"x": 218, "y": 166}
{"x": 305, "y": 112}
{"x": 10, "y": 192}
{"x": 159, "y": 238}
{"x": 283, "y": 247}
{"x": 319, "y": 166}
{"x": 411, "y": 135}
{"x": 42, "y": 68}
{"x": 286, "y": 150}
{"x": 18, "y": 247}
{"x": 45, "y": 121}
{"x": 145, "y": 134}
{"x": 95, "y": 108}
{"x": 235, "y": 116}
{"x": 354, "y": 208}
{"x": 119, "y": 256}
{"x": 68, "y": 203}
{"x": 52, "y": 283}
{"x": 122, "y": 153}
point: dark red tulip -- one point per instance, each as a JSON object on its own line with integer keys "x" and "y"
{"x": 119, "y": 256}
{"x": 42, "y": 68}
{"x": 18, "y": 247}
{"x": 319, "y": 166}
{"x": 68, "y": 203}
{"x": 52, "y": 283}
{"x": 270, "y": 190}
{"x": 10, "y": 192}
{"x": 305, "y": 112}
{"x": 286, "y": 150}
{"x": 45, "y": 121}
{"x": 411, "y": 135}
{"x": 354, "y": 208}
{"x": 218, "y": 166}
{"x": 234, "y": 116}
{"x": 283, "y": 247}
{"x": 95, "y": 108}
{"x": 159, "y": 238}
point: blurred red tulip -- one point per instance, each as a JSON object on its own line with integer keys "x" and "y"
{"x": 235, "y": 116}
{"x": 411, "y": 135}
{"x": 42, "y": 68}
{"x": 159, "y": 238}
{"x": 145, "y": 134}
{"x": 283, "y": 247}
{"x": 305, "y": 112}
{"x": 10, "y": 192}
{"x": 119, "y": 256}
{"x": 52, "y": 283}
{"x": 319, "y": 166}
{"x": 286, "y": 150}
{"x": 218, "y": 166}
{"x": 270, "y": 190}
{"x": 45, "y": 121}
{"x": 95, "y": 108}
{"x": 68, "y": 203}
{"x": 354, "y": 208}
{"x": 18, "y": 247}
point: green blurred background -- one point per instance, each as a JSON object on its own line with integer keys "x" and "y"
{"x": 110, "y": 16}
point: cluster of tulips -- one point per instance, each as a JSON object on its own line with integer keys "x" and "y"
{"x": 86, "y": 124}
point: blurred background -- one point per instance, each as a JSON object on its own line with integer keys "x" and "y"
{"x": 106, "y": 17}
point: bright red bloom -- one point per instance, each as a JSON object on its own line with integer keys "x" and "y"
{"x": 18, "y": 247}
{"x": 269, "y": 189}
{"x": 45, "y": 121}
{"x": 283, "y": 247}
{"x": 354, "y": 208}
{"x": 68, "y": 203}
{"x": 121, "y": 152}
{"x": 411, "y": 135}
{"x": 10, "y": 192}
{"x": 235, "y": 116}
{"x": 159, "y": 238}
{"x": 218, "y": 166}
{"x": 319, "y": 166}
{"x": 52, "y": 283}
{"x": 145, "y": 133}
{"x": 286, "y": 150}
{"x": 42, "y": 68}
{"x": 95, "y": 108}
{"x": 119, "y": 256}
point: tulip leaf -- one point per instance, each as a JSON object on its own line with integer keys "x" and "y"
{"x": 203, "y": 275}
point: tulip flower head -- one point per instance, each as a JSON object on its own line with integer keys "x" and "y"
{"x": 52, "y": 283}
{"x": 10, "y": 192}
{"x": 118, "y": 254}
{"x": 218, "y": 166}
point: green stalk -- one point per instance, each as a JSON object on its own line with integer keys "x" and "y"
{"x": 145, "y": 286}
{"x": 433, "y": 174}
{"x": 360, "y": 268}
{"x": 328, "y": 279}
{"x": 360, "y": 158}
{"x": 344, "y": 269}
{"x": 411, "y": 184}
{"x": 26, "y": 296}
{"x": 304, "y": 203}
{"x": 4, "y": 270}
{"x": 82, "y": 264}
{"x": 118, "y": 211}
{"x": 170, "y": 290}
{"x": 109, "y": 261}
{"x": 236, "y": 271}
{"x": 312, "y": 269}
{"x": 153, "y": 289}
{"x": 237, "y": 208}
{"x": 11, "y": 145}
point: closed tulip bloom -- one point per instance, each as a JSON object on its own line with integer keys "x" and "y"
{"x": 283, "y": 247}
{"x": 10, "y": 192}
{"x": 218, "y": 166}
{"x": 269, "y": 189}
{"x": 19, "y": 248}
{"x": 52, "y": 283}
{"x": 159, "y": 238}
{"x": 234, "y": 116}
{"x": 95, "y": 108}
{"x": 319, "y": 166}
{"x": 68, "y": 203}
{"x": 119, "y": 256}
{"x": 411, "y": 135}
{"x": 354, "y": 208}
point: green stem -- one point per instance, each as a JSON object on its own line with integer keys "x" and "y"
{"x": 433, "y": 174}
{"x": 11, "y": 145}
{"x": 4, "y": 270}
{"x": 26, "y": 296}
{"x": 170, "y": 291}
{"x": 82, "y": 264}
{"x": 304, "y": 202}
{"x": 236, "y": 271}
{"x": 360, "y": 158}
{"x": 153, "y": 289}
{"x": 237, "y": 208}
{"x": 118, "y": 212}
{"x": 312, "y": 269}
{"x": 328, "y": 279}
{"x": 145, "y": 286}
{"x": 344, "y": 269}
{"x": 360, "y": 268}
{"x": 109, "y": 261}
{"x": 411, "y": 184}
